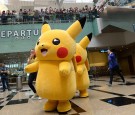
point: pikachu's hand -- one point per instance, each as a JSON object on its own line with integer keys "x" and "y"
{"x": 64, "y": 72}
{"x": 79, "y": 71}
{"x": 64, "y": 68}
{"x": 31, "y": 67}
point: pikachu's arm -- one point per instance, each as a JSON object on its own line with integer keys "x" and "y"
{"x": 74, "y": 63}
{"x": 80, "y": 69}
{"x": 32, "y": 67}
{"x": 87, "y": 64}
{"x": 65, "y": 68}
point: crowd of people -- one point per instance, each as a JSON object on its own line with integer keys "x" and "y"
{"x": 52, "y": 14}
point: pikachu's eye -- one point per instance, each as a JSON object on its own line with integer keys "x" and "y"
{"x": 56, "y": 41}
{"x": 37, "y": 42}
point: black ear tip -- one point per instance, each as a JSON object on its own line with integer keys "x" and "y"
{"x": 45, "y": 22}
{"x": 82, "y": 21}
{"x": 90, "y": 36}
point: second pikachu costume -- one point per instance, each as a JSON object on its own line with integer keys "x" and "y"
{"x": 82, "y": 77}
{"x": 56, "y": 79}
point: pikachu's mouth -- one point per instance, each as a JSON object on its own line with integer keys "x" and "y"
{"x": 44, "y": 51}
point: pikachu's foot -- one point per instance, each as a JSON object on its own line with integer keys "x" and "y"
{"x": 84, "y": 93}
{"x": 50, "y": 105}
{"x": 64, "y": 106}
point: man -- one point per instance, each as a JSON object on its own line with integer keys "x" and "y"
{"x": 4, "y": 77}
{"x": 113, "y": 67}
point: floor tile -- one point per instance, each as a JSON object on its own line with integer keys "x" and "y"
{"x": 77, "y": 108}
{"x": 128, "y": 83}
{"x": 24, "y": 90}
{"x": 99, "y": 80}
{"x": 1, "y": 99}
{"x": 102, "y": 100}
{"x": 75, "y": 114}
{"x": 30, "y": 96}
{"x": 132, "y": 95}
{"x": 10, "y": 96}
{"x": 1, "y": 107}
{"x": 1, "y": 102}
{"x": 109, "y": 92}
{"x": 93, "y": 86}
{"x": 22, "y": 101}
{"x": 119, "y": 101}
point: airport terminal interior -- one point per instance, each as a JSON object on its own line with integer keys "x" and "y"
{"x": 104, "y": 30}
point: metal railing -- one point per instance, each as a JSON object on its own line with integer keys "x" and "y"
{"x": 54, "y": 18}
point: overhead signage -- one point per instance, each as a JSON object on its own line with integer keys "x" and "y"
{"x": 19, "y": 34}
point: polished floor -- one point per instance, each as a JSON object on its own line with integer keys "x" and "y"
{"x": 118, "y": 99}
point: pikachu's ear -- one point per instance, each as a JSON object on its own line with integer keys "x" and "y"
{"x": 76, "y": 27}
{"x": 45, "y": 27}
{"x": 85, "y": 41}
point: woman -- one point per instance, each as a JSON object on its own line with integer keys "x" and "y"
{"x": 32, "y": 76}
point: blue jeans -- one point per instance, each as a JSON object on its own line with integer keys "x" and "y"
{"x": 5, "y": 83}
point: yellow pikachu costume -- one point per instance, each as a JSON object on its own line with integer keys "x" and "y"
{"x": 82, "y": 77}
{"x": 56, "y": 79}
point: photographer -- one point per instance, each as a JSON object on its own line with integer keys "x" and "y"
{"x": 4, "y": 77}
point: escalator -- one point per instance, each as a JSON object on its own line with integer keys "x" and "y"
{"x": 116, "y": 27}
{"x": 121, "y": 15}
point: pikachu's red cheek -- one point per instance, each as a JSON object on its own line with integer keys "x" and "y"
{"x": 62, "y": 52}
{"x": 78, "y": 58}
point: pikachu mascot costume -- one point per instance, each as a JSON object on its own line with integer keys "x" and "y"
{"x": 82, "y": 77}
{"x": 56, "y": 79}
